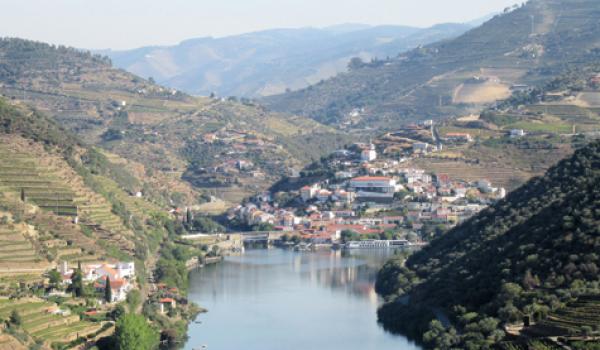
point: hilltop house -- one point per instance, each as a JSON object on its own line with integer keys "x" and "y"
{"x": 119, "y": 287}
{"x": 169, "y": 302}
{"x": 459, "y": 137}
{"x": 93, "y": 272}
{"x": 514, "y": 133}
{"x": 323, "y": 195}
{"x": 309, "y": 192}
{"x": 420, "y": 147}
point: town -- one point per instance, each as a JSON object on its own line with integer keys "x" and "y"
{"x": 367, "y": 197}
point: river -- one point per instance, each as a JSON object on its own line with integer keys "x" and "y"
{"x": 277, "y": 299}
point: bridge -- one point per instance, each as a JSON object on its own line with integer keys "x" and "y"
{"x": 266, "y": 237}
{"x": 242, "y": 237}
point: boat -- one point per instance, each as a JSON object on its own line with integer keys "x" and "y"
{"x": 377, "y": 244}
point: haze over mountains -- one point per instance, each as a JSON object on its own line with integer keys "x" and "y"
{"x": 527, "y": 45}
{"x": 271, "y": 61}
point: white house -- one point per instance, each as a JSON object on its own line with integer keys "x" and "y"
{"x": 323, "y": 195}
{"x": 309, "y": 192}
{"x": 368, "y": 155}
{"x": 119, "y": 288}
{"x": 420, "y": 147}
{"x": 515, "y": 133}
{"x": 126, "y": 269}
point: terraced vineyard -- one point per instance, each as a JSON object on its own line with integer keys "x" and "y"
{"x": 531, "y": 345}
{"x": 570, "y": 320}
{"x": 137, "y": 206}
{"x": 20, "y": 261}
{"x": 65, "y": 240}
{"x": 19, "y": 172}
{"x": 569, "y": 116}
{"x": 41, "y": 322}
{"x": 10, "y": 343}
{"x": 48, "y": 182}
{"x": 499, "y": 175}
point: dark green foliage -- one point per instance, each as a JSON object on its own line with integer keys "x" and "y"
{"x": 112, "y": 135}
{"x": 522, "y": 256}
{"x": 134, "y": 299}
{"x": 15, "y": 318}
{"x": 19, "y": 55}
{"x": 54, "y": 277}
{"x": 133, "y": 332}
{"x": 393, "y": 278}
{"x": 172, "y": 272}
{"x": 263, "y": 226}
{"x": 188, "y": 216}
{"x": 107, "y": 291}
{"x": 205, "y": 224}
{"x": 36, "y": 127}
{"x": 98, "y": 164}
{"x": 117, "y": 312}
{"x": 349, "y": 235}
{"x": 76, "y": 286}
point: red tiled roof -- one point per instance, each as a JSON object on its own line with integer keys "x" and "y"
{"x": 166, "y": 300}
{"x": 114, "y": 283}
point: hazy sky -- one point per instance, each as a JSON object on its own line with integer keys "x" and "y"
{"x": 122, "y": 24}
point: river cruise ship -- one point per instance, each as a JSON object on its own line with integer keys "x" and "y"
{"x": 377, "y": 244}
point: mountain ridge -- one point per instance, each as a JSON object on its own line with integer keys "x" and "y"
{"x": 458, "y": 76}
{"x": 316, "y": 53}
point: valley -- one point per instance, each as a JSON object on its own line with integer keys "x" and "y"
{"x": 459, "y": 161}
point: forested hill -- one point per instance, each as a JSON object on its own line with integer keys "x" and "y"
{"x": 525, "y": 45}
{"x": 531, "y": 254}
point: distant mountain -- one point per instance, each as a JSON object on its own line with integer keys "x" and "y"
{"x": 526, "y": 45}
{"x": 531, "y": 258}
{"x": 269, "y": 62}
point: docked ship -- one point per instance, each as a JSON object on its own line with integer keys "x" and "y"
{"x": 378, "y": 244}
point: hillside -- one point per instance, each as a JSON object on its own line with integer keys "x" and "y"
{"x": 48, "y": 177}
{"x": 531, "y": 258}
{"x": 523, "y": 47}
{"x": 161, "y": 132}
{"x": 67, "y": 213}
{"x": 549, "y": 121}
{"x": 269, "y": 62}
{"x": 62, "y": 201}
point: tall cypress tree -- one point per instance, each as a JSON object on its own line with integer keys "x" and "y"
{"x": 77, "y": 281}
{"x": 107, "y": 291}
{"x": 189, "y": 217}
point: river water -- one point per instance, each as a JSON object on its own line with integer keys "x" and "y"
{"x": 277, "y": 299}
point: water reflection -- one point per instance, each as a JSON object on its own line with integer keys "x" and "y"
{"x": 274, "y": 299}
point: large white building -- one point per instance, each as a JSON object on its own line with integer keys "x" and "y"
{"x": 309, "y": 192}
{"x": 374, "y": 188}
